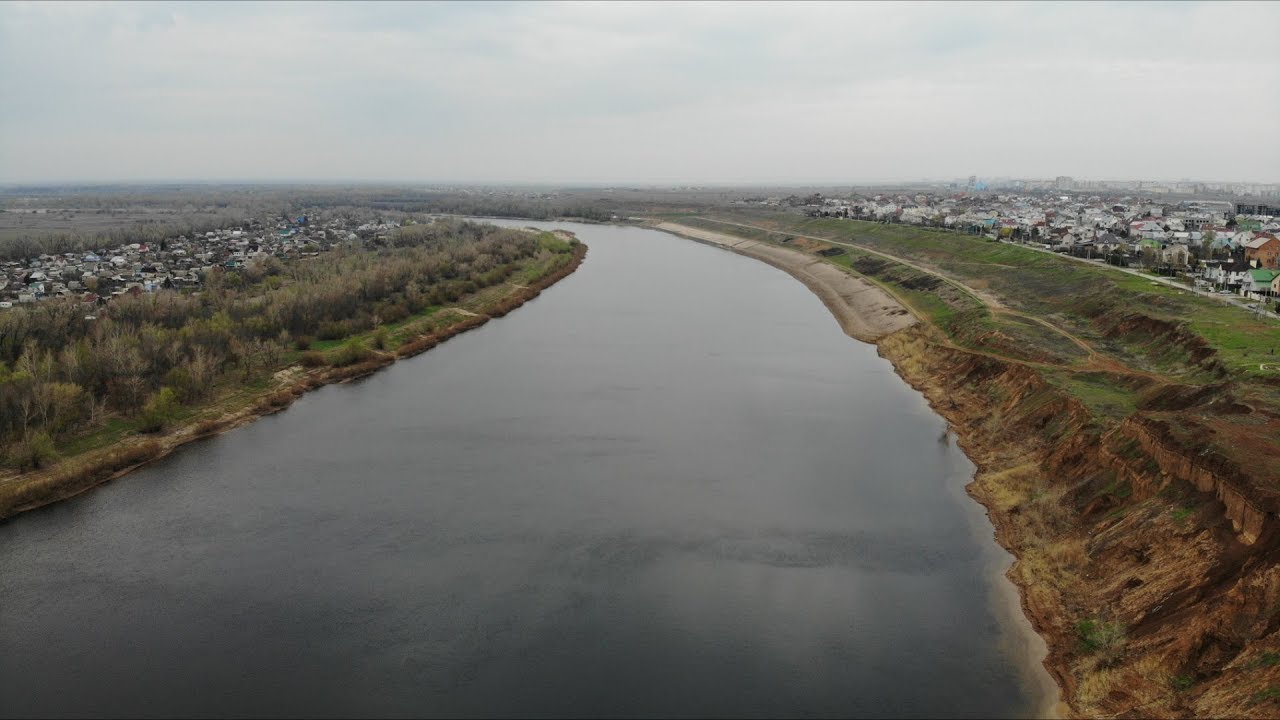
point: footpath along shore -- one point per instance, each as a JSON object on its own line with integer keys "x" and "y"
{"x": 870, "y": 314}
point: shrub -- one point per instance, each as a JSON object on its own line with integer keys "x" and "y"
{"x": 132, "y": 455}
{"x": 380, "y": 339}
{"x": 392, "y": 312}
{"x": 417, "y": 345}
{"x": 333, "y": 330}
{"x": 303, "y": 342}
{"x": 34, "y": 452}
{"x": 204, "y": 427}
{"x": 1099, "y": 636}
{"x": 276, "y": 400}
{"x": 183, "y": 383}
{"x": 312, "y": 358}
{"x": 351, "y": 353}
{"x": 160, "y": 411}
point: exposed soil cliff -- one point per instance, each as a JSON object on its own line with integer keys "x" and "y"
{"x": 1142, "y": 559}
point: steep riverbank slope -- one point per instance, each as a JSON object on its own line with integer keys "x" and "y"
{"x": 73, "y": 476}
{"x": 1146, "y": 558}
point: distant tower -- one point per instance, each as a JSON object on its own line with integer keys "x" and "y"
{"x": 973, "y": 180}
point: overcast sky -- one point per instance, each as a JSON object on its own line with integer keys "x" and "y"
{"x": 643, "y": 93}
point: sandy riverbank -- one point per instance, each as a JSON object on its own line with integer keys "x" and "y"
{"x": 863, "y": 310}
{"x": 868, "y": 313}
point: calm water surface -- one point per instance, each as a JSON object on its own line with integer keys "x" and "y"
{"x": 668, "y": 486}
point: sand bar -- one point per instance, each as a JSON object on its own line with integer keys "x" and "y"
{"x": 863, "y": 310}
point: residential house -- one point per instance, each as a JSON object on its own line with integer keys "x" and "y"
{"x": 1175, "y": 254}
{"x": 1229, "y": 274}
{"x": 1263, "y": 283}
{"x": 1263, "y": 251}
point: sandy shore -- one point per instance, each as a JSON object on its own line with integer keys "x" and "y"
{"x": 863, "y": 310}
{"x": 1028, "y": 646}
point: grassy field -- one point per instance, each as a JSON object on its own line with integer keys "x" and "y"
{"x": 1118, "y": 343}
{"x": 17, "y": 223}
{"x": 1071, "y": 294}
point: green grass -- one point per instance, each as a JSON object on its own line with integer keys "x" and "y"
{"x": 549, "y": 241}
{"x": 1046, "y": 284}
{"x": 1095, "y": 635}
{"x": 1182, "y": 683}
{"x": 955, "y": 310}
{"x": 1099, "y": 392}
{"x": 1116, "y": 514}
{"x": 1270, "y": 694}
{"x": 1118, "y": 488}
{"x": 111, "y": 432}
{"x": 1266, "y": 660}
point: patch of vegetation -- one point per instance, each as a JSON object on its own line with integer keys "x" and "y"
{"x": 352, "y": 352}
{"x": 1117, "y": 513}
{"x": 161, "y": 410}
{"x": 33, "y": 452}
{"x": 1099, "y": 392}
{"x": 147, "y": 361}
{"x": 1266, "y": 659}
{"x": 1270, "y": 694}
{"x": 1116, "y": 488}
{"x": 1100, "y": 636}
{"x": 1078, "y": 293}
{"x": 1182, "y": 683}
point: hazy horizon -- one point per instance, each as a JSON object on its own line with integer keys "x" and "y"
{"x": 634, "y": 94}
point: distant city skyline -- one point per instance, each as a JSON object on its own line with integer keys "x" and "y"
{"x": 586, "y": 93}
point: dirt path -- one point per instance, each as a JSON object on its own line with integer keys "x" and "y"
{"x": 1095, "y": 360}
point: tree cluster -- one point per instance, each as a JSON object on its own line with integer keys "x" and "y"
{"x": 143, "y": 357}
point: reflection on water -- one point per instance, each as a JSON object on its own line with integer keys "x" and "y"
{"x": 669, "y": 486}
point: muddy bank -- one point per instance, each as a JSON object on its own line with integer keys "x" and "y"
{"x": 80, "y": 474}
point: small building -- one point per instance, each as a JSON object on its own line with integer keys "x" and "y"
{"x": 1263, "y": 283}
{"x": 1263, "y": 251}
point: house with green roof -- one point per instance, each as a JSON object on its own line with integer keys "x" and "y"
{"x": 1263, "y": 282}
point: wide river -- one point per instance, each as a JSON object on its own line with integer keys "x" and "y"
{"x": 668, "y": 486}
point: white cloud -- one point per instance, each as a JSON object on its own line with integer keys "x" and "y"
{"x": 637, "y": 92}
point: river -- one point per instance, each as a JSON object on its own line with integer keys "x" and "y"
{"x": 668, "y": 486}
